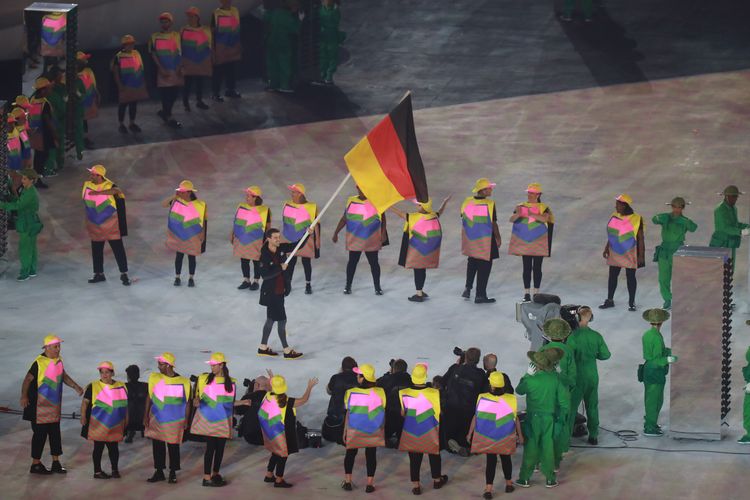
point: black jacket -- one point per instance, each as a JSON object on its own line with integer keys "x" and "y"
{"x": 271, "y": 273}
{"x": 463, "y": 383}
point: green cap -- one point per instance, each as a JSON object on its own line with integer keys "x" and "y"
{"x": 29, "y": 173}
{"x": 556, "y": 329}
{"x": 732, "y": 191}
{"x": 678, "y": 201}
{"x": 546, "y": 359}
{"x": 656, "y": 315}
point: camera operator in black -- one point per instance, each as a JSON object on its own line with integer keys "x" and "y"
{"x": 396, "y": 379}
{"x": 490, "y": 365}
{"x": 249, "y": 427}
{"x": 464, "y": 381}
{"x": 137, "y": 395}
{"x": 336, "y": 388}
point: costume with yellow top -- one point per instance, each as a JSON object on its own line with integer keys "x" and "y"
{"x": 478, "y": 241}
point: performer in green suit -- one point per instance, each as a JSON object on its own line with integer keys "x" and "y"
{"x": 674, "y": 225}
{"x": 282, "y": 28}
{"x": 330, "y": 38}
{"x": 727, "y": 228}
{"x": 746, "y": 402}
{"x": 28, "y": 224}
{"x": 657, "y": 359}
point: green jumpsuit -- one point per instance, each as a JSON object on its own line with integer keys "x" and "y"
{"x": 563, "y": 427}
{"x": 282, "y": 27}
{"x": 746, "y": 402}
{"x": 545, "y": 397}
{"x": 727, "y": 229}
{"x": 655, "y": 369}
{"x": 673, "y": 230}
{"x": 79, "y": 118}
{"x": 588, "y": 345}
{"x": 330, "y": 37}
{"x": 28, "y": 227}
{"x": 57, "y": 100}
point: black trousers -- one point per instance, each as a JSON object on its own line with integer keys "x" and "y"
{"x": 160, "y": 455}
{"x": 455, "y": 423}
{"x": 351, "y": 267}
{"x": 481, "y": 269}
{"x": 224, "y": 72}
{"x": 420, "y": 275}
{"x": 489, "y": 472}
{"x": 532, "y": 264}
{"x": 97, "y": 254}
{"x": 415, "y": 463}
{"x": 189, "y": 82}
{"x": 178, "y": 263}
{"x": 132, "y": 108}
{"x": 245, "y": 265}
{"x": 306, "y": 265}
{"x": 39, "y": 439}
{"x": 40, "y": 158}
{"x": 614, "y": 273}
{"x": 371, "y": 460}
{"x": 113, "y": 450}
{"x": 277, "y": 464}
{"x": 168, "y": 97}
{"x": 214, "y": 455}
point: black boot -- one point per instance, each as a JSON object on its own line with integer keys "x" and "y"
{"x": 158, "y": 476}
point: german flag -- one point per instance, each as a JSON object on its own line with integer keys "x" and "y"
{"x": 386, "y": 163}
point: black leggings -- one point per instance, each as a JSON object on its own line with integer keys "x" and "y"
{"x": 420, "y": 275}
{"x": 370, "y": 459}
{"x": 214, "y": 454}
{"x": 306, "y": 264}
{"x": 481, "y": 269}
{"x": 97, "y": 254}
{"x": 168, "y": 97}
{"x": 113, "y": 450}
{"x": 281, "y": 327}
{"x": 351, "y": 267}
{"x": 132, "y": 110}
{"x": 489, "y": 472}
{"x": 614, "y": 273}
{"x": 178, "y": 263}
{"x": 159, "y": 449}
{"x": 245, "y": 265}
{"x": 415, "y": 462}
{"x": 189, "y": 80}
{"x": 223, "y": 72}
{"x": 39, "y": 438}
{"x": 276, "y": 463}
{"x": 532, "y": 263}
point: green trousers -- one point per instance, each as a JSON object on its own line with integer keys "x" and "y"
{"x": 539, "y": 446}
{"x": 561, "y": 432}
{"x": 588, "y": 392}
{"x": 653, "y": 400}
{"x": 27, "y": 254}
{"x": 587, "y": 6}
{"x": 79, "y": 134}
{"x": 329, "y": 59}
{"x": 746, "y": 418}
{"x": 665, "y": 277}
{"x": 279, "y": 67}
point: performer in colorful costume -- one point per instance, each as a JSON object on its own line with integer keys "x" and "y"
{"x": 166, "y": 51}
{"x": 531, "y": 237}
{"x": 41, "y": 400}
{"x": 728, "y": 230}
{"x": 653, "y": 372}
{"x": 54, "y": 29}
{"x": 227, "y": 49}
{"x": 364, "y": 426}
{"x": 87, "y": 107}
{"x": 186, "y": 228}
{"x": 42, "y": 133}
{"x": 28, "y": 225}
{"x": 480, "y": 239}
{"x": 674, "y": 225}
{"x": 197, "y": 43}
{"x": 297, "y": 217}
{"x": 104, "y": 417}
{"x": 250, "y": 222}
{"x": 127, "y": 68}
{"x": 625, "y": 248}
{"x": 496, "y": 430}
{"x": 166, "y": 418}
{"x": 746, "y": 398}
{"x": 104, "y": 203}
{"x": 278, "y": 424}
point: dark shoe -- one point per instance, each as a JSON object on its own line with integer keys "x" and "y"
{"x": 631, "y": 307}
{"x": 328, "y": 82}
{"x": 526, "y": 297}
{"x": 158, "y": 476}
{"x": 467, "y": 293}
{"x": 57, "y": 468}
{"x": 287, "y": 91}
{"x": 509, "y": 488}
{"x": 233, "y": 94}
{"x": 440, "y": 482}
{"x": 207, "y": 482}
{"x": 244, "y": 285}
{"x": 125, "y": 280}
{"x": 218, "y": 481}
{"x": 522, "y": 483}
{"x": 653, "y": 432}
{"x": 607, "y": 304}
{"x": 267, "y": 479}
{"x": 267, "y": 352}
{"x": 186, "y": 105}
{"x": 217, "y": 98}
{"x": 253, "y": 286}
{"x": 347, "y": 291}
{"x": 40, "y": 184}
{"x": 174, "y": 123}
{"x": 22, "y": 277}
{"x": 416, "y": 298}
{"x": 177, "y": 282}
{"x": 282, "y": 484}
{"x": 416, "y": 491}
{"x": 593, "y": 441}
{"x": 346, "y": 486}
{"x": 172, "y": 477}
{"x": 39, "y": 469}
{"x": 201, "y": 105}
{"x": 454, "y": 447}
{"x": 101, "y": 475}
{"x": 378, "y": 291}
{"x": 552, "y": 484}
{"x": 308, "y": 289}
{"x": 292, "y": 354}
{"x": 115, "y": 474}
{"x": 162, "y": 115}
{"x": 122, "y": 128}
{"x": 369, "y": 488}
{"x": 191, "y": 283}
{"x": 129, "y": 437}
{"x": 424, "y": 294}
{"x": 134, "y": 128}
{"x": 487, "y": 495}
{"x": 484, "y": 300}
{"x": 98, "y": 278}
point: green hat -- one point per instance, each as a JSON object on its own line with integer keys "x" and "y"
{"x": 545, "y": 360}
{"x": 656, "y": 315}
{"x": 747, "y": 322}
{"x": 732, "y": 191}
{"x": 556, "y": 329}
{"x": 29, "y": 173}
{"x": 678, "y": 201}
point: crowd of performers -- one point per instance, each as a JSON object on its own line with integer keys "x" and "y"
{"x": 561, "y": 375}
{"x": 185, "y": 60}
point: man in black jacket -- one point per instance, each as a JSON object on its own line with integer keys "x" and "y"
{"x": 490, "y": 365}
{"x": 396, "y": 379}
{"x": 337, "y": 386}
{"x": 463, "y": 383}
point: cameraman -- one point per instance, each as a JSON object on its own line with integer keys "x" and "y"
{"x": 464, "y": 381}
{"x": 490, "y": 365}
{"x": 333, "y": 425}
{"x": 396, "y": 379}
{"x": 249, "y": 427}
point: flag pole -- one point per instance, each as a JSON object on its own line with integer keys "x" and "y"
{"x": 320, "y": 214}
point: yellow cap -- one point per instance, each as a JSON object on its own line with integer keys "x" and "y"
{"x": 278, "y": 384}
{"x": 11, "y": 118}
{"x": 419, "y": 374}
{"x": 254, "y": 190}
{"x": 534, "y": 187}
{"x": 107, "y": 365}
{"x": 41, "y": 83}
{"x": 18, "y": 113}
{"x": 426, "y": 206}
{"x": 497, "y": 380}
{"x": 625, "y": 199}
{"x": 193, "y": 11}
{"x": 98, "y": 170}
{"x": 482, "y": 183}
{"x": 22, "y": 101}
{"x": 367, "y": 371}
{"x": 166, "y": 15}
{"x": 51, "y": 340}
{"x": 166, "y": 357}
{"x": 127, "y": 39}
{"x": 217, "y": 358}
{"x": 82, "y": 56}
{"x": 300, "y": 188}
{"x": 185, "y": 186}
